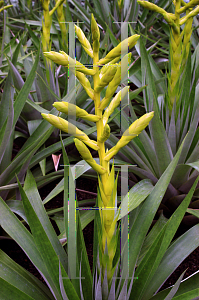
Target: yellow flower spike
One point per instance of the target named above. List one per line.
(120, 4)
(115, 52)
(95, 34)
(74, 110)
(167, 16)
(84, 42)
(134, 130)
(187, 31)
(179, 41)
(188, 5)
(106, 78)
(114, 104)
(104, 238)
(46, 25)
(191, 14)
(86, 155)
(116, 81)
(57, 4)
(105, 135)
(65, 60)
(85, 83)
(66, 127)
(105, 200)
(109, 185)
(108, 217)
(62, 23)
(154, 7)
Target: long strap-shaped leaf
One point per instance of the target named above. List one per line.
(34, 198)
(188, 290)
(152, 259)
(157, 131)
(22, 280)
(175, 254)
(83, 259)
(8, 90)
(11, 224)
(24, 92)
(22, 157)
(9, 292)
(144, 219)
(46, 249)
(6, 130)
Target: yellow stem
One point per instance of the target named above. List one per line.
(99, 123)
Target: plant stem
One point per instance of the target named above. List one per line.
(99, 124)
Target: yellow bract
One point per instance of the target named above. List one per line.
(84, 42)
(86, 155)
(114, 104)
(70, 128)
(136, 128)
(113, 85)
(74, 110)
(127, 43)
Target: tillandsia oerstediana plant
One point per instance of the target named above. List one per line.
(179, 41)
(105, 72)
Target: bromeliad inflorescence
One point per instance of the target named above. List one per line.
(179, 40)
(47, 22)
(105, 72)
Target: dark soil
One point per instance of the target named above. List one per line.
(191, 263)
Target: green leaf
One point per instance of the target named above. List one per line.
(34, 38)
(194, 165)
(174, 288)
(24, 92)
(152, 236)
(87, 217)
(21, 279)
(175, 254)
(30, 188)
(189, 285)
(6, 130)
(11, 224)
(106, 11)
(23, 156)
(76, 171)
(16, 206)
(189, 136)
(63, 293)
(83, 259)
(37, 107)
(194, 295)
(9, 292)
(194, 212)
(46, 249)
(65, 183)
(8, 90)
(157, 131)
(146, 270)
(135, 196)
(148, 209)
